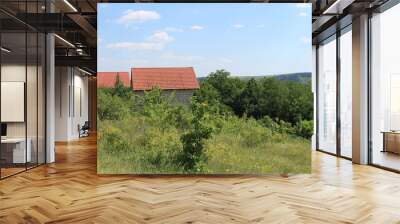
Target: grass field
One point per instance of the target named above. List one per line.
(241, 146)
(153, 134)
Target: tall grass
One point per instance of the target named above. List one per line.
(246, 147)
(241, 146)
(147, 139)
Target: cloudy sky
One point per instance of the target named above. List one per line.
(245, 39)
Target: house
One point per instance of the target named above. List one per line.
(108, 79)
(180, 80)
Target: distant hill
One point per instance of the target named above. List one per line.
(302, 77)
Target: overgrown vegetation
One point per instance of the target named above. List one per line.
(232, 126)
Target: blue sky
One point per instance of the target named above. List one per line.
(245, 39)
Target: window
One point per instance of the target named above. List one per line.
(22, 87)
(346, 93)
(327, 96)
(385, 89)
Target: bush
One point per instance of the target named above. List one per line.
(111, 107)
(192, 157)
(111, 140)
(277, 125)
(159, 149)
(305, 129)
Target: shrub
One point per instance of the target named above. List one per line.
(277, 125)
(120, 90)
(111, 107)
(305, 129)
(192, 157)
(159, 149)
(112, 141)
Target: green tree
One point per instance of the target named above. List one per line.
(285, 101)
(274, 98)
(192, 157)
(120, 90)
(110, 107)
(209, 95)
(250, 99)
(229, 89)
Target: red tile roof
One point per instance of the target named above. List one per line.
(107, 79)
(165, 78)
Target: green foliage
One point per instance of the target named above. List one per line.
(120, 90)
(151, 133)
(110, 107)
(278, 126)
(160, 110)
(305, 128)
(249, 99)
(113, 139)
(245, 146)
(134, 145)
(114, 103)
(193, 158)
(285, 100)
(228, 88)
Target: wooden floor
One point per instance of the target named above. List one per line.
(69, 191)
(387, 159)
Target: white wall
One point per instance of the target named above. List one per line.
(79, 117)
(62, 82)
(12, 73)
(70, 83)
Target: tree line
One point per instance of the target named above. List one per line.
(282, 104)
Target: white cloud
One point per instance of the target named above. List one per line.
(303, 14)
(238, 26)
(138, 16)
(161, 37)
(196, 27)
(303, 5)
(155, 42)
(260, 26)
(306, 40)
(173, 29)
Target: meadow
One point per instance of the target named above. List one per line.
(153, 134)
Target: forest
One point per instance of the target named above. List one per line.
(232, 126)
